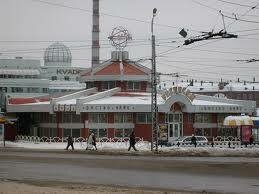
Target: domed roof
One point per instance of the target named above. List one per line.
(57, 52)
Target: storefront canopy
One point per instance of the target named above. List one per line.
(237, 121)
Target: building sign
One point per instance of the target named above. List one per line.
(68, 71)
(64, 108)
(178, 90)
(1, 132)
(107, 108)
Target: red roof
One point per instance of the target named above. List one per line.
(114, 69)
(27, 100)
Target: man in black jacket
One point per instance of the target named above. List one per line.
(70, 142)
(132, 141)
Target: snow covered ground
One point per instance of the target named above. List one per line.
(143, 147)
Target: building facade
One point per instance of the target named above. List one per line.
(27, 78)
(118, 100)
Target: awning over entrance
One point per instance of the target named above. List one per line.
(255, 121)
(238, 121)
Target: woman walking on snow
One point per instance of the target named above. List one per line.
(91, 142)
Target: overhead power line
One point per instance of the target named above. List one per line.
(239, 4)
(110, 15)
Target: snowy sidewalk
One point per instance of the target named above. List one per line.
(143, 147)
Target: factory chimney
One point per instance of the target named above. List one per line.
(95, 35)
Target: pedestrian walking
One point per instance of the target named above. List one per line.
(70, 142)
(132, 141)
(193, 140)
(91, 142)
(251, 139)
(94, 141)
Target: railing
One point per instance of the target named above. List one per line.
(79, 139)
(219, 141)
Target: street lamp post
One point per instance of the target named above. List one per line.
(154, 134)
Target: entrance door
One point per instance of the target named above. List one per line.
(174, 130)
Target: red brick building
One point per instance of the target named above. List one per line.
(117, 100)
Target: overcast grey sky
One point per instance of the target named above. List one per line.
(29, 26)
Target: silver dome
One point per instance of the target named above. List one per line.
(57, 53)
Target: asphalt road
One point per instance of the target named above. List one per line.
(210, 174)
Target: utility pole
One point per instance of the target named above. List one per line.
(154, 137)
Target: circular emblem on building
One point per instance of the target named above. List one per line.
(119, 37)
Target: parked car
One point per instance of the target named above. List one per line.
(187, 140)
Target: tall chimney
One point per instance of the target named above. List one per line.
(95, 35)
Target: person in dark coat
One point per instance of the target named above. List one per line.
(70, 142)
(251, 139)
(132, 141)
(193, 140)
(94, 141)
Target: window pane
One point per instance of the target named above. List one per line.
(102, 118)
(93, 117)
(118, 118)
(136, 85)
(198, 132)
(207, 132)
(52, 132)
(198, 118)
(102, 133)
(128, 118)
(176, 117)
(141, 117)
(67, 118)
(66, 132)
(75, 118)
(149, 118)
(170, 118)
(127, 132)
(118, 132)
(130, 85)
(76, 133)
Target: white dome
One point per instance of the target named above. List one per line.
(58, 54)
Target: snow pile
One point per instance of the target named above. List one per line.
(143, 147)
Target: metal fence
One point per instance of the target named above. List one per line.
(78, 139)
(219, 141)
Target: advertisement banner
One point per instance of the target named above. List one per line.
(163, 133)
(246, 133)
(1, 132)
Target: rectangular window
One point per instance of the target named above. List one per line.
(93, 117)
(203, 118)
(76, 118)
(133, 85)
(67, 118)
(54, 78)
(144, 118)
(3, 89)
(17, 90)
(123, 118)
(99, 133)
(108, 85)
(203, 132)
(75, 133)
(53, 132)
(52, 118)
(66, 132)
(66, 78)
(45, 90)
(98, 117)
(122, 133)
(141, 117)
